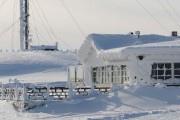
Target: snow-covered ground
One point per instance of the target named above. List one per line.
(36, 66)
(136, 102)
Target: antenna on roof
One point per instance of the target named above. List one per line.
(131, 33)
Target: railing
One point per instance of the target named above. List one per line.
(32, 92)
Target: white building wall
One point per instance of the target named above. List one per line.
(90, 62)
(140, 70)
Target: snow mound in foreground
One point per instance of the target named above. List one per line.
(136, 102)
(133, 101)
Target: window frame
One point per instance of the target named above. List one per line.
(169, 72)
(109, 74)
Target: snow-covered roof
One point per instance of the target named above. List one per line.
(104, 42)
(168, 47)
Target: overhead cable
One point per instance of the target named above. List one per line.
(42, 20)
(74, 20)
(13, 28)
(153, 17)
(173, 9)
(166, 10)
(36, 31)
(9, 28)
(46, 18)
(2, 4)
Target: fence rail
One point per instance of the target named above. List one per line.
(32, 92)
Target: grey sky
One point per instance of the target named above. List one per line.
(93, 16)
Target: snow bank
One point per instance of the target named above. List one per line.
(132, 102)
(36, 66)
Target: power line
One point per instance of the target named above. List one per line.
(153, 17)
(166, 10)
(173, 9)
(74, 20)
(67, 45)
(13, 28)
(46, 18)
(42, 20)
(39, 35)
(36, 31)
(55, 36)
(2, 4)
(10, 27)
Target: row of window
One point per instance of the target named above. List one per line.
(109, 74)
(165, 71)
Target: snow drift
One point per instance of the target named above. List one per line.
(36, 66)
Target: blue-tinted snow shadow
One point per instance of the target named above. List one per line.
(20, 69)
(169, 95)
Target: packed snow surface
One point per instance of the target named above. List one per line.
(129, 102)
(36, 66)
(109, 41)
(135, 102)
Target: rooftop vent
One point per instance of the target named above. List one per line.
(130, 33)
(137, 33)
(174, 33)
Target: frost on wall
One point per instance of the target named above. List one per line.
(139, 53)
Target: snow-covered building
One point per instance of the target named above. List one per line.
(125, 59)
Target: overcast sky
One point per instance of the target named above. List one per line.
(93, 16)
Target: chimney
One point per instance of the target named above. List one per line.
(137, 33)
(174, 33)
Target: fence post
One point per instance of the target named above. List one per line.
(2, 91)
(16, 92)
(47, 92)
(24, 93)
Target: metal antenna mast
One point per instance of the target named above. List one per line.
(24, 25)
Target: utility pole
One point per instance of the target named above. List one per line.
(24, 25)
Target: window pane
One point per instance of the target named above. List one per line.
(160, 66)
(154, 72)
(168, 65)
(176, 65)
(176, 72)
(160, 72)
(123, 67)
(154, 66)
(168, 72)
(102, 68)
(177, 77)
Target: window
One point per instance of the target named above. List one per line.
(165, 71)
(94, 72)
(161, 71)
(109, 74)
(177, 70)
